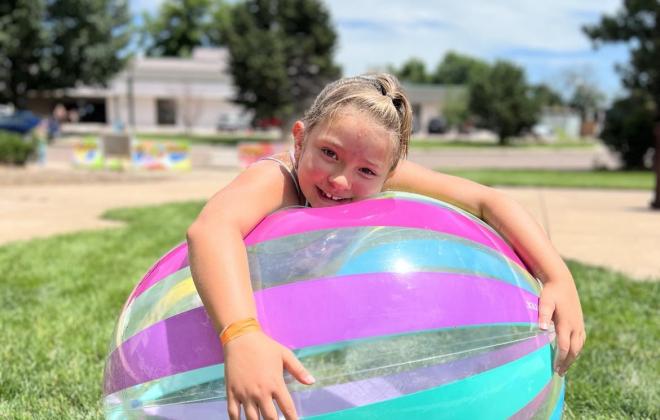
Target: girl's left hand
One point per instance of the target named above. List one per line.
(559, 303)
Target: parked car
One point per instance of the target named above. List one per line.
(233, 122)
(19, 122)
(437, 125)
(268, 123)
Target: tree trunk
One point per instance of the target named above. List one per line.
(655, 204)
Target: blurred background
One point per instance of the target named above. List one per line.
(220, 72)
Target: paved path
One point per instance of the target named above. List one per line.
(609, 228)
(48, 207)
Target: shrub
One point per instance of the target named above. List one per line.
(16, 149)
(628, 129)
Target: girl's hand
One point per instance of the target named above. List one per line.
(559, 303)
(254, 365)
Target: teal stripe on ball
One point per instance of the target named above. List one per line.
(495, 394)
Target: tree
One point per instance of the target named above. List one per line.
(459, 69)
(413, 71)
(179, 26)
(544, 96)
(456, 106)
(587, 99)
(629, 129)
(502, 101)
(21, 39)
(281, 55)
(59, 44)
(636, 24)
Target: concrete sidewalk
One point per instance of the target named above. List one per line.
(609, 228)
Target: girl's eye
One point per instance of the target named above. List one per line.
(367, 172)
(329, 153)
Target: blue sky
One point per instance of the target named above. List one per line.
(543, 36)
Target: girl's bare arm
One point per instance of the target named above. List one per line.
(218, 258)
(559, 299)
(219, 265)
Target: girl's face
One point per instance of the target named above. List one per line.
(342, 160)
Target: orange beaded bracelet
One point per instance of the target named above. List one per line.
(239, 328)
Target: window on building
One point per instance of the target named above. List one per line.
(166, 110)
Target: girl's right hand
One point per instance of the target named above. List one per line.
(254, 367)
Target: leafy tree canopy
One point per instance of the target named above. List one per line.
(179, 27)
(459, 69)
(502, 101)
(281, 54)
(629, 129)
(544, 95)
(47, 45)
(636, 23)
(413, 71)
(587, 98)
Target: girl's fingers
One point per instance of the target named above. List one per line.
(563, 347)
(233, 407)
(251, 411)
(293, 366)
(267, 409)
(576, 346)
(546, 309)
(285, 402)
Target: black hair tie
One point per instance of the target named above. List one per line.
(397, 102)
(380, 87)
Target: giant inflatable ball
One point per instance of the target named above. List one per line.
(401, 307)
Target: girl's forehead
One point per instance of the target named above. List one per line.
(350, 120)
(358, 133)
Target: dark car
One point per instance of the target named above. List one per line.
(437, 125)
(20, 122)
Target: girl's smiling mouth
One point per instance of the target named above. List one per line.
(331, 197)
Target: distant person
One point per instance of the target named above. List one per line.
(350, 145)
(73, 116)
(57, 117)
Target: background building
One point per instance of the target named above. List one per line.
(156, 94)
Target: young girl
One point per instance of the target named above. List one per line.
(349, 145)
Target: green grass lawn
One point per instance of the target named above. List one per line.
(561, 179)
(225, 139)
(458, 143)
(61, 297)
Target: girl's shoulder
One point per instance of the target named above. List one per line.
(283, 158)
(286, 167)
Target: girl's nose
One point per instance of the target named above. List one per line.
(340, 181)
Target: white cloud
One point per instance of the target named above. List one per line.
(392, 31)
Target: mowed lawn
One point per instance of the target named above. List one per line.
(639, 180)
(61, 297)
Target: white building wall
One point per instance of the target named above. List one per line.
(145, 112)
(200, 86)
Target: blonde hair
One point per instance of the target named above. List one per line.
(378, 95)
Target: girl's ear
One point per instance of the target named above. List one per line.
(298, 132)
